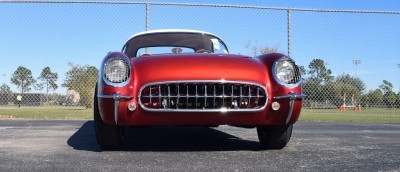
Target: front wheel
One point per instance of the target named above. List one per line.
(108, 136)
(274, 137)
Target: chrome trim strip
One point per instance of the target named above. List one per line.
(222, 110)
(116, 96)
(169, 31)
(292, 97)
(116, 114)
(161, 31)
(279, 81)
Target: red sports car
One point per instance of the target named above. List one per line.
(187, 77)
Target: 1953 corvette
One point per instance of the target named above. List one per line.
(188, 77)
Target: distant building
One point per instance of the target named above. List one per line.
(72, 98)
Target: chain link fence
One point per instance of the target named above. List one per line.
(51, 50)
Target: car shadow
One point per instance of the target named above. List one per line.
(166, 139)
(84, 138)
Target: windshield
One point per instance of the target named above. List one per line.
(174, 43)
(163, 50)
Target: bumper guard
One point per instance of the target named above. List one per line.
(292, 97)
(116, 96)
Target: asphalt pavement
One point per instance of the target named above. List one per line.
(32, 145)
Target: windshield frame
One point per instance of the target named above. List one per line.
(197, 40)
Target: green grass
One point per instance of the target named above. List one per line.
(381, 111)
(47, 113)
(373, 115)
(310, 115)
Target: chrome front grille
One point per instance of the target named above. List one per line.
(203, 96)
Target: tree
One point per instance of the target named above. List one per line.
(22, 77)
(255, 51)
(335, 92)
(386, 86)
(303, 71)
(48, 79)
(373, 97)
(398, 100)
(83, 80)
(5, 89)
(318, 70)
(314, 85)
(5, 94)
(313, 89)
(266, 50)
(389, 97)
(355, 81)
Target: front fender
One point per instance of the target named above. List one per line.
(287, 96)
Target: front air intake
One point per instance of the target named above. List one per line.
(203, 96)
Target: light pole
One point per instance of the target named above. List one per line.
(147, 15)
(147, 21)
(288, 30)
(357, 62)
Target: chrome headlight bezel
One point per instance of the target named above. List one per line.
(116, 71)
(286, 72)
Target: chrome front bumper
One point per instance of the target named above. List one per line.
(292, 97)
(117, 97)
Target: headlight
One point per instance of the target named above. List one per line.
(286, 71)
(116, 70)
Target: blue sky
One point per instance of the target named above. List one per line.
(39, 35)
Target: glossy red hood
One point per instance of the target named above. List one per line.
(198, 67)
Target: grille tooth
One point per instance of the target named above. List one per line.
(203, 96)
(214, 96)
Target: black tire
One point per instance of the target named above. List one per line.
(274, 137)
(109, 137)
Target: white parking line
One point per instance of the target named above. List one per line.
(4, 128)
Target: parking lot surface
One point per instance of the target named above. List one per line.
(27, 145)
